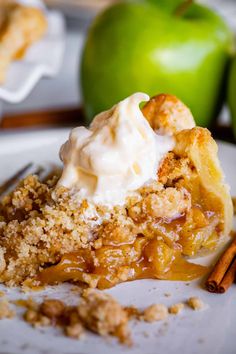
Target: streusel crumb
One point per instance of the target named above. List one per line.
(5, 310)
(133, 312)
(176, 309)
(156, 312)
(52, 308)
(102, 314)
(98, 312)
(75, 331)
(195, 303)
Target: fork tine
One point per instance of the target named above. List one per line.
(39, 171)
(13, 179)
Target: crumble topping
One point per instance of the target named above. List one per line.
(174, 168)
(155, 312)
(75, 331)
(5, 310)
(52, 308)
(176, 309)
(195, 303)
(102, 314)
(96, 311)
(167, 114)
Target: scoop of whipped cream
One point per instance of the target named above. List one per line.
(115, 156)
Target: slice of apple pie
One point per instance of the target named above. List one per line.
(140, 192)
(20, 27)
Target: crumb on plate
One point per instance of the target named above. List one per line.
(167, 294)
(96, 311)
(5, 310)
(195, 303)
(176, 308)
(155, 312)
(102, 314)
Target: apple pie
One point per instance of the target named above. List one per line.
(55, 230)
(20, 27)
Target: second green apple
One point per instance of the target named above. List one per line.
(139, 46)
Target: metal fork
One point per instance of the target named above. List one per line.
(15, 178)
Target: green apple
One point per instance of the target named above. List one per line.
(146, 46)
(232, 93)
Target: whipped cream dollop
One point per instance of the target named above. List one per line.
(115, 156)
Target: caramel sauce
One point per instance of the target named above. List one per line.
(68, 270)
(110, 265)
(21, 53)
(159, 254)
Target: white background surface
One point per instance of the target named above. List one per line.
(211, 330)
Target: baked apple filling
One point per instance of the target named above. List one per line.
(55, 231)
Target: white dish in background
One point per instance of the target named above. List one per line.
(43, 58)
(192, 332)
(80, 9)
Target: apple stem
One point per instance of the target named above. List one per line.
(182, 8)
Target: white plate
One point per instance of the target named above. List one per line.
(44, 58)
(192, 332)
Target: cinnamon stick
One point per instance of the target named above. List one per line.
(224, 271)
(228, 278)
